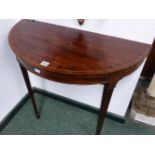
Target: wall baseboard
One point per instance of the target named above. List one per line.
(66, 100)
(13, 112)
(78, 104)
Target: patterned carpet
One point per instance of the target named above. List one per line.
(58, 118)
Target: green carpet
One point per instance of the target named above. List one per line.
(58, 118)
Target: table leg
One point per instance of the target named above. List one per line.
(107, 93)
(28, 84)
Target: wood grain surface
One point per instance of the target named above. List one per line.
(74, 56)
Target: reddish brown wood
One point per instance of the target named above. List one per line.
(74, 53)
(76, 56)
(28, 85)
(107, 93)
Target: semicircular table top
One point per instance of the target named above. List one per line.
(74, 52)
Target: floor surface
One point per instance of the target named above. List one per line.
(58, 118)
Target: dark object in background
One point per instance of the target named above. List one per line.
(143, 103)
(149, 68)
(81, 21)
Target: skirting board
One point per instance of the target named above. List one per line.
(13, 112)
(83, 106)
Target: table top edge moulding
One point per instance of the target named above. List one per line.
(74, 56)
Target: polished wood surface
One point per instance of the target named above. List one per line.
(107, 93)
(75, 56)
(29, 88)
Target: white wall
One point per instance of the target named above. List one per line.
(91, 94)
(12, 87)
(138, 30)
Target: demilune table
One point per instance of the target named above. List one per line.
(74, 56)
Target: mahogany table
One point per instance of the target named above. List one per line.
(74, 56)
